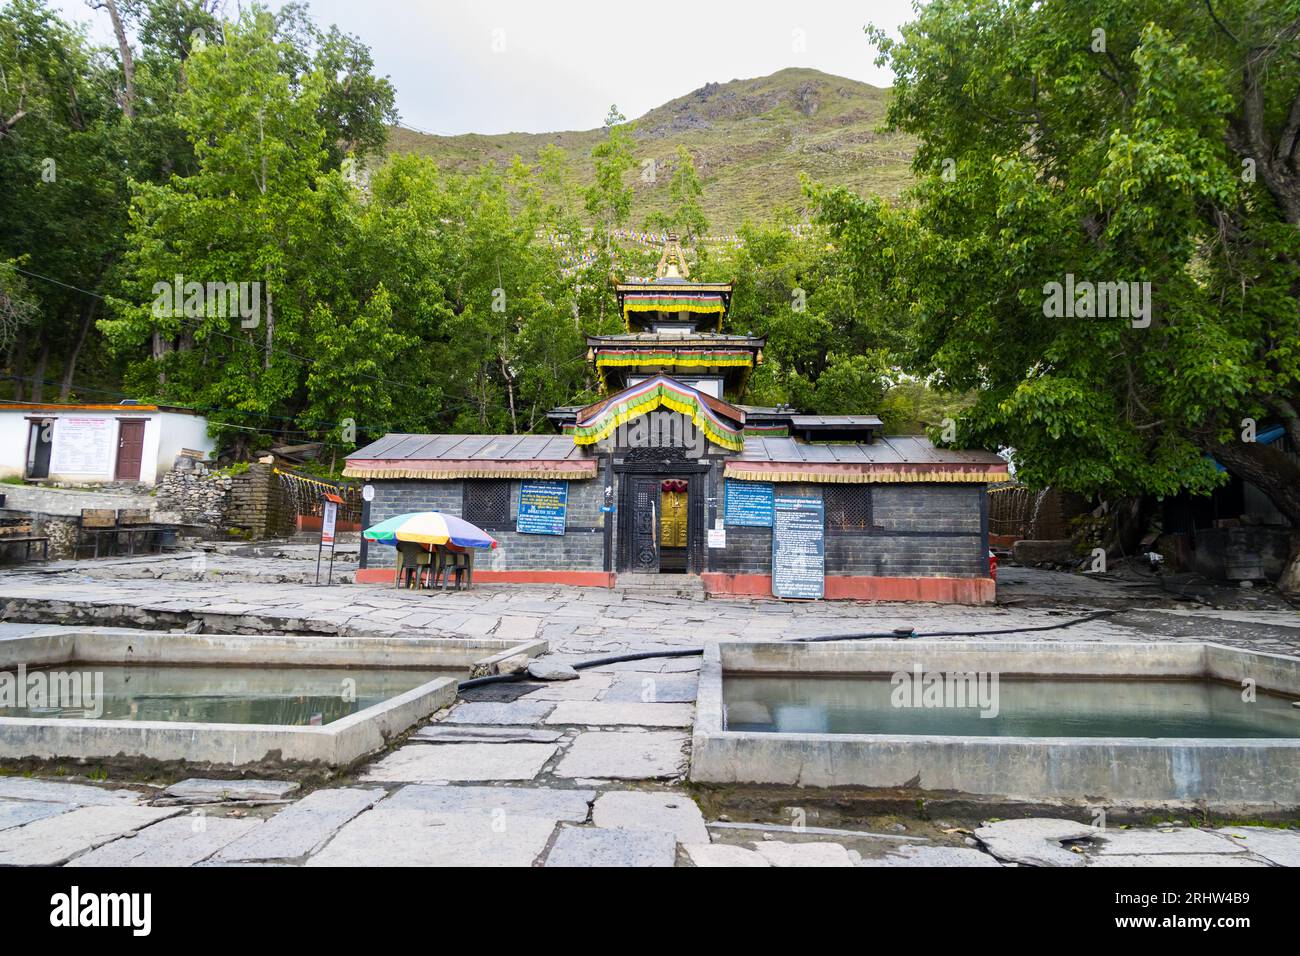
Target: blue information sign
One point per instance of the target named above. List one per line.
(542, 507)
(798, 547)
(748, 504)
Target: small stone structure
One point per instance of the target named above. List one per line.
(199, 496)
(248, 501)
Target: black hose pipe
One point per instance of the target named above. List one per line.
(904, 632)
(901, 633)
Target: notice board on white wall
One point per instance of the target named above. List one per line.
(83, 446)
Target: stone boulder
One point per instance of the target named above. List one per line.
(1030, 553)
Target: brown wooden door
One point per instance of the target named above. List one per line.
(130, 450)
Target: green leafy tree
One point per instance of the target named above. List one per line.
(18, 306)
(817, 313)
(80, 123)
(252, 215)
(65, 157)
(1101, 141)
(609, 197)
(685, 215)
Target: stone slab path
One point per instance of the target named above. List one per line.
(581, 622)
(577, 772)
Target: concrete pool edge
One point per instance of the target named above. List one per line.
(1229, 775)
(337, 744)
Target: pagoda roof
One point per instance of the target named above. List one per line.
(676, 285)
(672, 290)
(722, 422)
(725, 409)
(677, 339)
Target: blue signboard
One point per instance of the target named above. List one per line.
(542, 507)
(748, 504)
(798, 547)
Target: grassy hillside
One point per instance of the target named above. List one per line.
(750, 140)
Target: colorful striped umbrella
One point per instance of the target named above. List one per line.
(429, 527)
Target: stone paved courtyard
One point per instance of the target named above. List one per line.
(589, 771)
(223, 592)
(561, 774)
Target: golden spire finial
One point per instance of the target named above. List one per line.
(672, 264)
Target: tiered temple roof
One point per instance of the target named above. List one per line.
(674, 327)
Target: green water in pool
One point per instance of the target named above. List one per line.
(1016, 707)
(294, 696)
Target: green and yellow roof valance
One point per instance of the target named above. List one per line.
(695, 358)
(665, 301)
(599, 421)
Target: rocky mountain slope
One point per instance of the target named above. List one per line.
(750, 139)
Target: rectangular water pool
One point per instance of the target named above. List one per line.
(875, 704)
(228, 700)
(287, 696)
(1085, 724)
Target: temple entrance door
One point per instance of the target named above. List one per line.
(645, 525)
(674, 523)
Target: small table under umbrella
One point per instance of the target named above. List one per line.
(429, 530)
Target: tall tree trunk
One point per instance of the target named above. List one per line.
(124, 50)
(1278, 477)
(38, 373)
(70, 363)
(19, 367)
(160, 348)
(510, 390)
(270, 331)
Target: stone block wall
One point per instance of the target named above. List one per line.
(580, 548)
(251, 501)
(916, 531)
(197, 495)
(254, 506)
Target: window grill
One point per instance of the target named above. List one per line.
(486, 503)
(848, 508)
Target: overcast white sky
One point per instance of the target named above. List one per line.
(492, 66)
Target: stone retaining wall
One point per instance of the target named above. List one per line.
(198, 496)
(250, 501)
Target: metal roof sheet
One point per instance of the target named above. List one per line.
(836, 421)
(402, 447)
(903, 449)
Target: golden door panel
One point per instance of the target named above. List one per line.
(672, 511)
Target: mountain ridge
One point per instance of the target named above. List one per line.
(750, 140)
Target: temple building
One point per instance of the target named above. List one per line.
(671, 473)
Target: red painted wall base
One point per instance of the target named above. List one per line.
(861, 588)
(937, 590)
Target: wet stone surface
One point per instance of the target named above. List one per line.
(586, 771)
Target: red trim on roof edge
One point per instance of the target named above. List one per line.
(584, 467)
(735, 466)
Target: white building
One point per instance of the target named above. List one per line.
(88, 444)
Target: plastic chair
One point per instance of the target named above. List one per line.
(422, 566)
(458, 562)
(406, 564)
